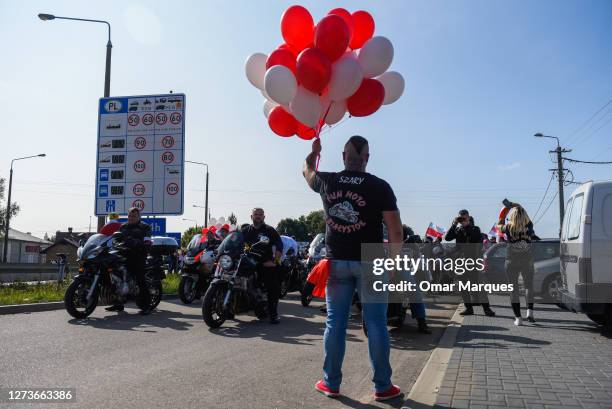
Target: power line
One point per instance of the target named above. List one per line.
(588, 162)
(584, 138)
(577, 130)
(547, 207)
(552, 176)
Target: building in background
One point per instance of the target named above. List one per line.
(67, 243)
(24, 248)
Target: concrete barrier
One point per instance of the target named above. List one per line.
(28, 272)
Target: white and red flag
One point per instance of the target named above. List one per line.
(435, 231)
(496, 232)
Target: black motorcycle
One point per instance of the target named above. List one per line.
(103, 274)
(234, 288)
(197, 271)
(294, 273)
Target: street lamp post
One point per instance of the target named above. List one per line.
(107, 70)
(8, 206)
(206, 197)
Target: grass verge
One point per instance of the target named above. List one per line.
(23, 293)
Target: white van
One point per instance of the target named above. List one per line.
(586, 252)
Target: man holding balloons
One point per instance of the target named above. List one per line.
(356, 203)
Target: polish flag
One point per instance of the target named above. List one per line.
(435, 231)
(495, 232)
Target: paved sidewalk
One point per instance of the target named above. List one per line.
(561, 361)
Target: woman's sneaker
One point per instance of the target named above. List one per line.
(530, 316)
(324, 389)
(393, 392)
(518, 321)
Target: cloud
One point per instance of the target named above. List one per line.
(505, 168)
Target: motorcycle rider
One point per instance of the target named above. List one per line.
(135, 236)
(224, 231)
(269, 270)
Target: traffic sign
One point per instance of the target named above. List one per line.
(158, 224)
(140, 159)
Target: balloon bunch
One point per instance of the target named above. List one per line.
(323, 71)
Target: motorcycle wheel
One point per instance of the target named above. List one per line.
(187, 289)
(156, 290)
(306, 294)
(284, 287)
(212, 306)
(75, 298)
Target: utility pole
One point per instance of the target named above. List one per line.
(561, 178)
(560, 175)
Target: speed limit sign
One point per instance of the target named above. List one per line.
(139, 166)
(172, 189)
(167, 157)
(139, 204)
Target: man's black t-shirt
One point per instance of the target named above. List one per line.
(354, 203)
(253, 235)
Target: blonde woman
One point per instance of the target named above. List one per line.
(519, 259)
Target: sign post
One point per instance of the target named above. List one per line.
(140, 155)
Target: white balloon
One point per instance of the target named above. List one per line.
(212, 221)
(375, 56)
(394, 86)
(306, 107)
(255, 68)
(336, 112)
(221, 220)
(345, 78)
(280, 84)
(267, 107)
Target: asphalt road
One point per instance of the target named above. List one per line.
(170, 359)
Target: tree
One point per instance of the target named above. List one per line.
(14, 208)
(303, 228)
(232, 219)
(188, 235)
(315, 221)
(293, 227)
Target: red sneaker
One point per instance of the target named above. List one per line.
(324, 389)
(393, 392)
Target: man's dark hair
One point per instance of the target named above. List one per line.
(463, 212)
(358, 142)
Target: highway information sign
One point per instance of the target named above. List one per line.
(140, 159)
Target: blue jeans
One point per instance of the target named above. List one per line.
(344, 278)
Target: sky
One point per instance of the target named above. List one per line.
(482, 76)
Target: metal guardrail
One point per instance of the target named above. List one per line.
(12, 272)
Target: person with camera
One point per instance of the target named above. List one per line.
(136, 236)
(269, 270)
(469, 239)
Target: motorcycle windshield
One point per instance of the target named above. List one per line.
(195, 245)
(92, 243)
(232, 245)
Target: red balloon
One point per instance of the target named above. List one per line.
(285, 46)
(332, 36)
(297, 27)
(313, 69)
(305, 132)
(346, 16)
(363, 28)
(368, 98)
(282, 122)
(281, 57)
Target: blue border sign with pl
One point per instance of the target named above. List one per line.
(140, 159)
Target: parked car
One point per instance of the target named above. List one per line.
(547, 276)
(586, 252)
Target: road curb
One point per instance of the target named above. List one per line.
(425, 390)
(49, 306)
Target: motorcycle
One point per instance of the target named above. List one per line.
(234, 288)
(103, 274)
(295, 273)
(197, 270)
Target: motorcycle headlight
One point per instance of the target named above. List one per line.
(225, 262)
